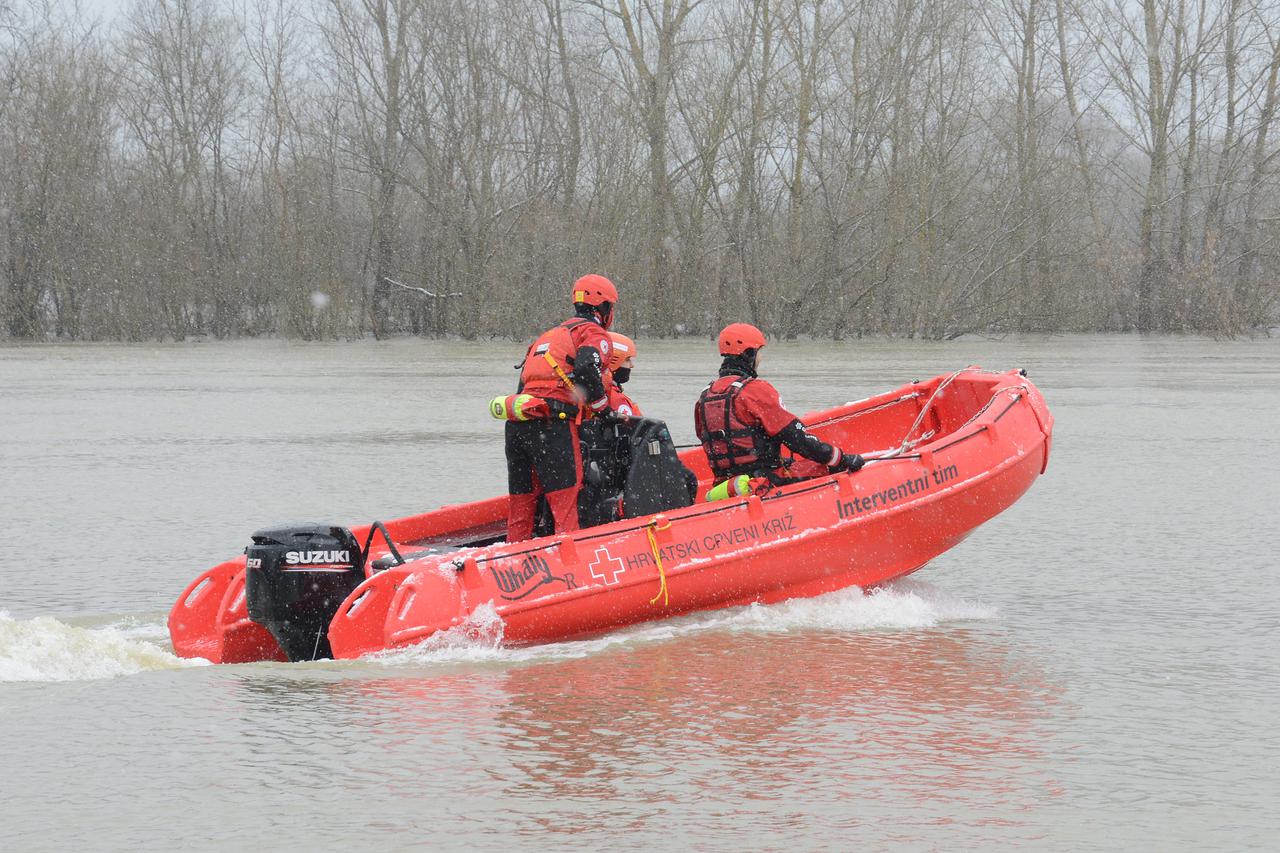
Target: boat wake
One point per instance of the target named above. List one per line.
(901, 606)
(46, 649)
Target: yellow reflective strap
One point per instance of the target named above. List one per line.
(738, 487)
(568, 383)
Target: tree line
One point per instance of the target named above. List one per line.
(341, 168)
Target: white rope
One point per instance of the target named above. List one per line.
(860, 412)
(908, 443)
(924, 410)
(1006, 389)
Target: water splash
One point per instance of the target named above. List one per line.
(901, 606)
(45, 649)
(905, 605)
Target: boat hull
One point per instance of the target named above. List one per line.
(988, 439)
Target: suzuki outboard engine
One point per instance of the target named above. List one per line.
(295, 578)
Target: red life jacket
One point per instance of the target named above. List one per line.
(549, 363)
(732, 445)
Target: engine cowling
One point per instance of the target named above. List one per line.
(295, 578)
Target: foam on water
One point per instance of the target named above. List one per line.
(45, 649)
(905, 605)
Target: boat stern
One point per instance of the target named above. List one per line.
(210, 620)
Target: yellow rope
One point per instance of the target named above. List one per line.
(657, 555)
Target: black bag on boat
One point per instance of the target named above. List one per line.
(657, 480)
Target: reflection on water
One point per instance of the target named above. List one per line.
(1096, 668)
(802, 716)
(821, 725)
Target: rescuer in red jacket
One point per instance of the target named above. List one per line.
(562, 381)
(621, 359)
(742, 425)
(606, 444)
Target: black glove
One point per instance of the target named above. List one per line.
(848, 462)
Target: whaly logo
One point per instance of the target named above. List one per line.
(534, 571)
(314, 558)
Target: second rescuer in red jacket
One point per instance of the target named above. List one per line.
(742, 425)
(621, 360)
(564, 371)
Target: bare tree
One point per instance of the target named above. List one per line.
(1248, 295)
(650, 52)
(182, 98)
(370, 46)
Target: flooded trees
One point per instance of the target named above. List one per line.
(323, 168)
(375, 68)
(55, 151)
(182, 96)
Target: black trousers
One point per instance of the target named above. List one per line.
(544, 457)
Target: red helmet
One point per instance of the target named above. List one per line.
(737, 338)
(594, 290)
(622, 349)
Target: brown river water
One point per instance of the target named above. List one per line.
(1097, 668)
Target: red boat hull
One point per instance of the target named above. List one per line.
(987, 439)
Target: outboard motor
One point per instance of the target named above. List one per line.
(295, 578)
(656, 480)
(606, 456)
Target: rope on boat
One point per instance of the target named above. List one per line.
(659, 522)
(907, 442)
(1006, 389)
(838, 418)
(924, 410)
(860, 412)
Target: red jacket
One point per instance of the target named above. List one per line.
(620, 402)
(568, 356)
(742, 425)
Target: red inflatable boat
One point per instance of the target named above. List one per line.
(945, 455)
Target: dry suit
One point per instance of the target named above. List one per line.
(564, 367)
(742, 424)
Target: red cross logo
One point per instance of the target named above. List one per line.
(606, 567)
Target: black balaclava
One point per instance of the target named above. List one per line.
(602, 313)
(739, 365)
(621, 375)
